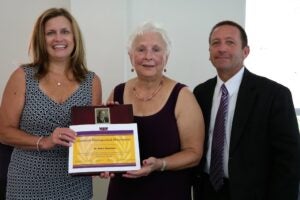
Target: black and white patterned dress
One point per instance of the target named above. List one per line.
(44, 175)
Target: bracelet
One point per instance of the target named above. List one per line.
(38, 143)
(164, 165)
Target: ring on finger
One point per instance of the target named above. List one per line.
(59, 135)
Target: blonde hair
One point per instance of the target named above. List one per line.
(37, 47)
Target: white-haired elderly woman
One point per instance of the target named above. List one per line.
(170, 123)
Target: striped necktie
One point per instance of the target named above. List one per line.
(216, 173)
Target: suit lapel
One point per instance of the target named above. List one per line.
(204, 96)
(209, 93)
(244, 105)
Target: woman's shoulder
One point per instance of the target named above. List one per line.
(123, 85)
(16, 82)
(174, 85)
(29, 69)
(93, 75)
(179, 90)
(18, 72)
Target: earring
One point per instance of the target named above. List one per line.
(165, 70)
(132, 70)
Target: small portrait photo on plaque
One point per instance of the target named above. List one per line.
(102, 115)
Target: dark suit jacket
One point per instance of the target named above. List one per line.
(264, 145)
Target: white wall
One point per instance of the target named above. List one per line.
(106, 25)
(17, 18)
(103, 24)
(188, 24)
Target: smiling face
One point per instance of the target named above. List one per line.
(148, 55)
(59, 38)
(226, 51)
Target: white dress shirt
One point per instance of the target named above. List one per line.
(232, 86)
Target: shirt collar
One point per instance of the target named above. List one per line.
(233, 83)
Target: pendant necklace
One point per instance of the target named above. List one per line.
(139, 97)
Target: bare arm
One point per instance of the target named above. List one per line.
(10, 112)
(191, 130)
(111, 96)
(97, 91)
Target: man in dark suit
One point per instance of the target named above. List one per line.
(260, 156)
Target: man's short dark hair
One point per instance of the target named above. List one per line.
(243, 34)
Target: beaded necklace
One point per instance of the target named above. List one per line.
(139, 97)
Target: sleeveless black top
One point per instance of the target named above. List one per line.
(159, 137)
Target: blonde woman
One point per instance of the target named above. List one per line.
(35, 111)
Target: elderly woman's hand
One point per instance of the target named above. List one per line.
(107, 175)
(112, 103)
(149, 165)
